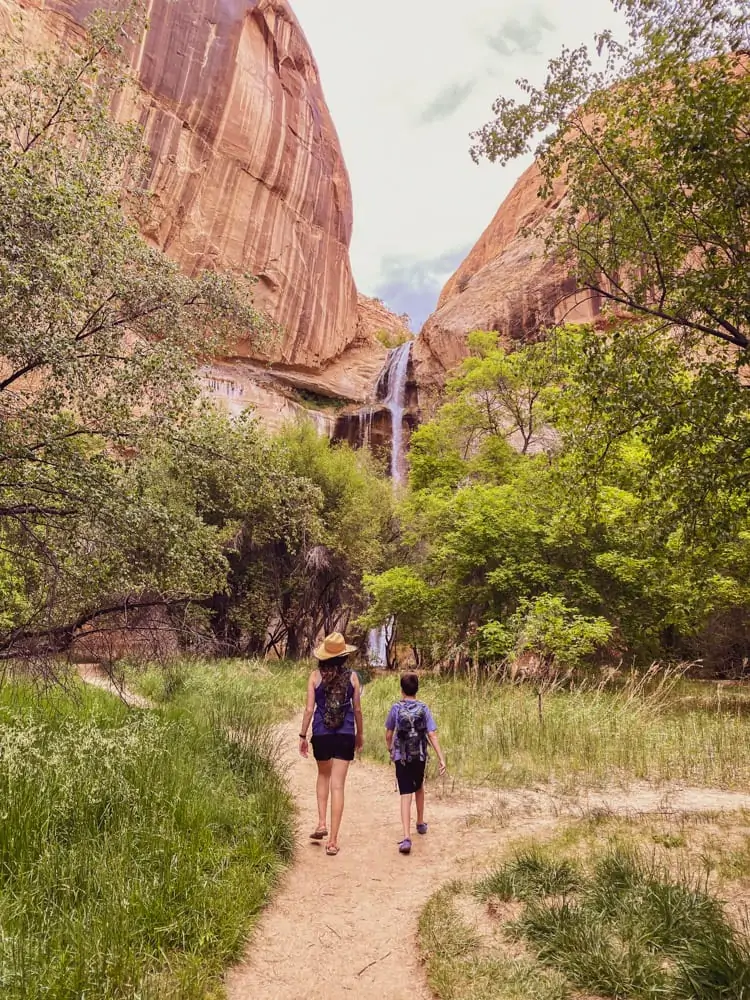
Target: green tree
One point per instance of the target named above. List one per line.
(238, 483)
(651, 140)
(320, 586)
(504, 391)
(654, 446)
(404, 598)
(496, 408)
(100, 338)
(637, 514)
(648, 138)
(549, 629)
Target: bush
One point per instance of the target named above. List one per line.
(392, 338)
(547, 628)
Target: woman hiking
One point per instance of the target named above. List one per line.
(333, 704)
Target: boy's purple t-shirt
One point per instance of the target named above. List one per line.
(390, 723)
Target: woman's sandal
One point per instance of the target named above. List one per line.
(320, 834)
(422, 828)
(404, 847)
(332, 850)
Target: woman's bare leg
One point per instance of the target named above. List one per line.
(322, 789)
(339, 772)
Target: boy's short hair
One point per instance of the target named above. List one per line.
(409, 684)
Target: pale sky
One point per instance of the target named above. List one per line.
(406, 82)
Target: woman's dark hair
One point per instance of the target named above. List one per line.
(409, 684)
(334, 663)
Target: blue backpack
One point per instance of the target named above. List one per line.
(411, 731)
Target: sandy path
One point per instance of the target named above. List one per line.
(347, 925)
(97, 676)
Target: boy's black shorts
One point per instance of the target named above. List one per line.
(410, 777)
(333, 746)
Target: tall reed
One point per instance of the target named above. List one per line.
(655, 729)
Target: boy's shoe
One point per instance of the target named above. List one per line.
(404, 847)
(422, 828)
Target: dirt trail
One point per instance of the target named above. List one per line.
(347, 925)
(97, 676)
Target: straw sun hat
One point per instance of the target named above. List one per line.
(333, 645)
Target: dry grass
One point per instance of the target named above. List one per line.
(650, 730)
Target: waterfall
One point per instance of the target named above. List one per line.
(322, 422)
(377, 647)
(391, 389)
(366, 422)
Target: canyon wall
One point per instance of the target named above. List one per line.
(281, 392)
(247, 173)
(376, 319)
(505, 284)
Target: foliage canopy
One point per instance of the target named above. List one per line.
(649, 137)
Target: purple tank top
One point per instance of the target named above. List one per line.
(319, 728)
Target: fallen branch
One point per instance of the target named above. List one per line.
(374, 962)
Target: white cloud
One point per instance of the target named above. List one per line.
(406, 82)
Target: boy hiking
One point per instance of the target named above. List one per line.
(408, 729)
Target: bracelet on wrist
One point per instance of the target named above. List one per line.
(303, 736)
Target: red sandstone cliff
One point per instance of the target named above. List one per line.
(247, 171)
(376, 318)
(505, 284)
(353, 376)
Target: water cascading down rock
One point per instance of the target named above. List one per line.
(391, 390)
(382, 424)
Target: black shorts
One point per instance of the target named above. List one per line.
(333, 746)
(410, 777)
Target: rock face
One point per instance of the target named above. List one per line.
(376, 319)
(238, 386)
(284, 392)
(505, 284)
(247, 171)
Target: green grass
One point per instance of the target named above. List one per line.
(459, 967)
(532, 874)
(275, 689)
(595, 912)
(136, 847)
(634, 931)
(689, 732)
(695, 733)
(492, 735)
